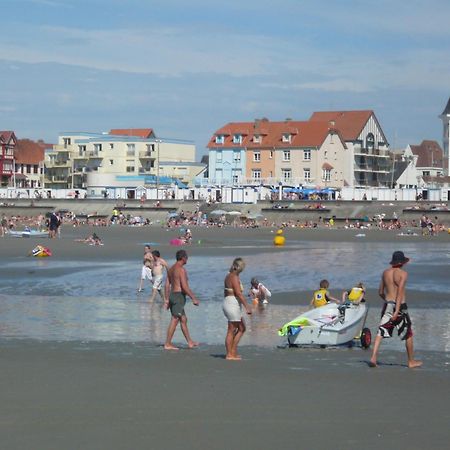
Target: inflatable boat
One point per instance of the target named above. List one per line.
(27, 233)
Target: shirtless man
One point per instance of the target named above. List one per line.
(176, 289)
(159, 265)
(395, 312)
(146, 271)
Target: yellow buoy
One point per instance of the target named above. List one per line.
(279, 238)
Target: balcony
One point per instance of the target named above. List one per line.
(371, 152)
(58, 163)
(146, 155)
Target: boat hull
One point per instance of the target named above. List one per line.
(329, 325)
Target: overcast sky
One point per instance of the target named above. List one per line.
(187, 67)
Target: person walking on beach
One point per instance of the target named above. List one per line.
(232, 308)
(159, 265)
(176, 289)
(395, 312)
(4, 225)
(146, 271)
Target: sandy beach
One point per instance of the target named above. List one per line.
(95, 394)
(121, 396)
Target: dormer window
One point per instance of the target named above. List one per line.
(237, 139)
(286, 137)
(257, 139)
(220, 139)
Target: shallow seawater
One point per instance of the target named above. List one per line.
(98, 301)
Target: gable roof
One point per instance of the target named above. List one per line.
(349, 123)
(135, 132)
(30, 152)
(7, 136)
(302, 134)
(429, 154)
(446, 111)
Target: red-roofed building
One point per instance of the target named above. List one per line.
(29, 163)
(369, 159)
(290, 152)
(7, 145)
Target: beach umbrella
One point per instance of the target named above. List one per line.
(234, 213)
(218, 212)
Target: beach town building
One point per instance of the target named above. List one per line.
(368, 161)
(331, 149)
(29, 164)
(8, 142)
(120, 158)
(268, 153)
(445, 117)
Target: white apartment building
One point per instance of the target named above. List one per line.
(120, 158)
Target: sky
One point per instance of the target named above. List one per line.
(185, 68)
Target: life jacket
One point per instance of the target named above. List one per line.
(320, 297)
(355, 293)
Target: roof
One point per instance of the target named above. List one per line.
(6, 136)
(446, 111)
(136, 132)
(349, 123)
(302, 134)
(429, 154)
(30, 152)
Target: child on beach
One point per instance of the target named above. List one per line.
(258, 292)
(321, 297)
(355, 294)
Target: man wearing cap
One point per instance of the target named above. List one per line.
(395, 312)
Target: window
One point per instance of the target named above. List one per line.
(325, 154)
(81, 150)
(67, 142)
(130, 166)
(307, 154)
(220, 139)
(326, 174)
(111, 162)
(219, 156)
(286, 137)
(256, 156)
(111, 146)
(236, 156)
(271, 154)
(256, 174)
(286, 174)
(257, 139)
(426, 173)
(236, 176)
(131, 148)
(98, 147)
(237, 139)
(307, 174)
(150, 148)
(370, 141)
(286, 155)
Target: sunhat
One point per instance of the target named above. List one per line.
(398, 258)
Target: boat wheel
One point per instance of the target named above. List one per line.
(366, 338)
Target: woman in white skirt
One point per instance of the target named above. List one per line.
(232, 308)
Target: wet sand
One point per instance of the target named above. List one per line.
(104, 395)
(131, 396)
